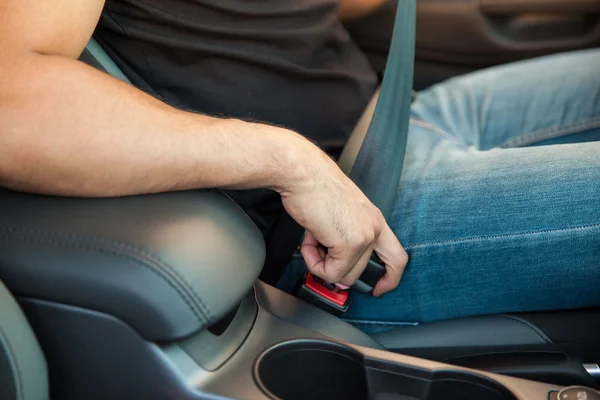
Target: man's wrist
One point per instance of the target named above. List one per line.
(267, 156)
(297, 162)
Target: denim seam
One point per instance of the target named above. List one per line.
(529, 326)
(12, 363)
(505, 235)
(434, 129)
(136, 255)
(551, 133)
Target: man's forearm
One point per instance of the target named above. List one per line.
(70, 130)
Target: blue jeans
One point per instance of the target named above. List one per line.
(499, 201)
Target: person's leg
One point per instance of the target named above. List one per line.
(491, 227)
(546, 100)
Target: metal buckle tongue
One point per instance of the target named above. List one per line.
(323, 295)
(374, 271)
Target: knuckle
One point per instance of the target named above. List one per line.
(357, 243)
(363, 239)
(333, 275)
(378, 215)
(377, 222)
(337, 276)
(370, 236)
(403, 258)
(311, 268)
(348, 282)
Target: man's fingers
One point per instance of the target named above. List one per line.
(388, 282)
(343, 287)
(393, 255)
(312, 256)
(355, 273)
(345, 268)
(322, 252)
(327, 265)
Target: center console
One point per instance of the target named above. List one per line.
(273, 346)
(289, 354)
(156, 297)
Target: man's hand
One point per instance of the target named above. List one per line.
(338, 216)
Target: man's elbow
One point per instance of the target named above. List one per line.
(10, 154)
(13, 134)
(19, 166)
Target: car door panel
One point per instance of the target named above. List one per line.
(458, 36)
(466, 35)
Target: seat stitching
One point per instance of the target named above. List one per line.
(12, 360)
(199, 303)
(148, 265)
(551, 133)
(537, 331)
(504, 235)
(527, 324)
(152, 268)
(382, 323)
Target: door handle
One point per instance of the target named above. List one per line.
(543, 27)
(535, 6)
(542, 21)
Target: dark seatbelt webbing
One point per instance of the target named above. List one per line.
(378, 166)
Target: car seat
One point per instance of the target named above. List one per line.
(23, 374)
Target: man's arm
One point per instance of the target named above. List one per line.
(68, 129)
(356, 9)
(92, 135)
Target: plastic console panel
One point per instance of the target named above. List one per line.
(94, 355)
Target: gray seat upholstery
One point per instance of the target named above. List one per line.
(115, 255)
(23, 374)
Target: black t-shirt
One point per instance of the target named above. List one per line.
(285, 62)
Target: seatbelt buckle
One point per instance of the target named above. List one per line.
(374, 271)
(323, 295)
(331, 298)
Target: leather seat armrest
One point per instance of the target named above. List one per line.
(167, 264)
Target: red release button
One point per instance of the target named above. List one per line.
(337, 296)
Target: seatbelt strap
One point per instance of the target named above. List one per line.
(378, 166)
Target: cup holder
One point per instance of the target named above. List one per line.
(307, 369)
(315, 369)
